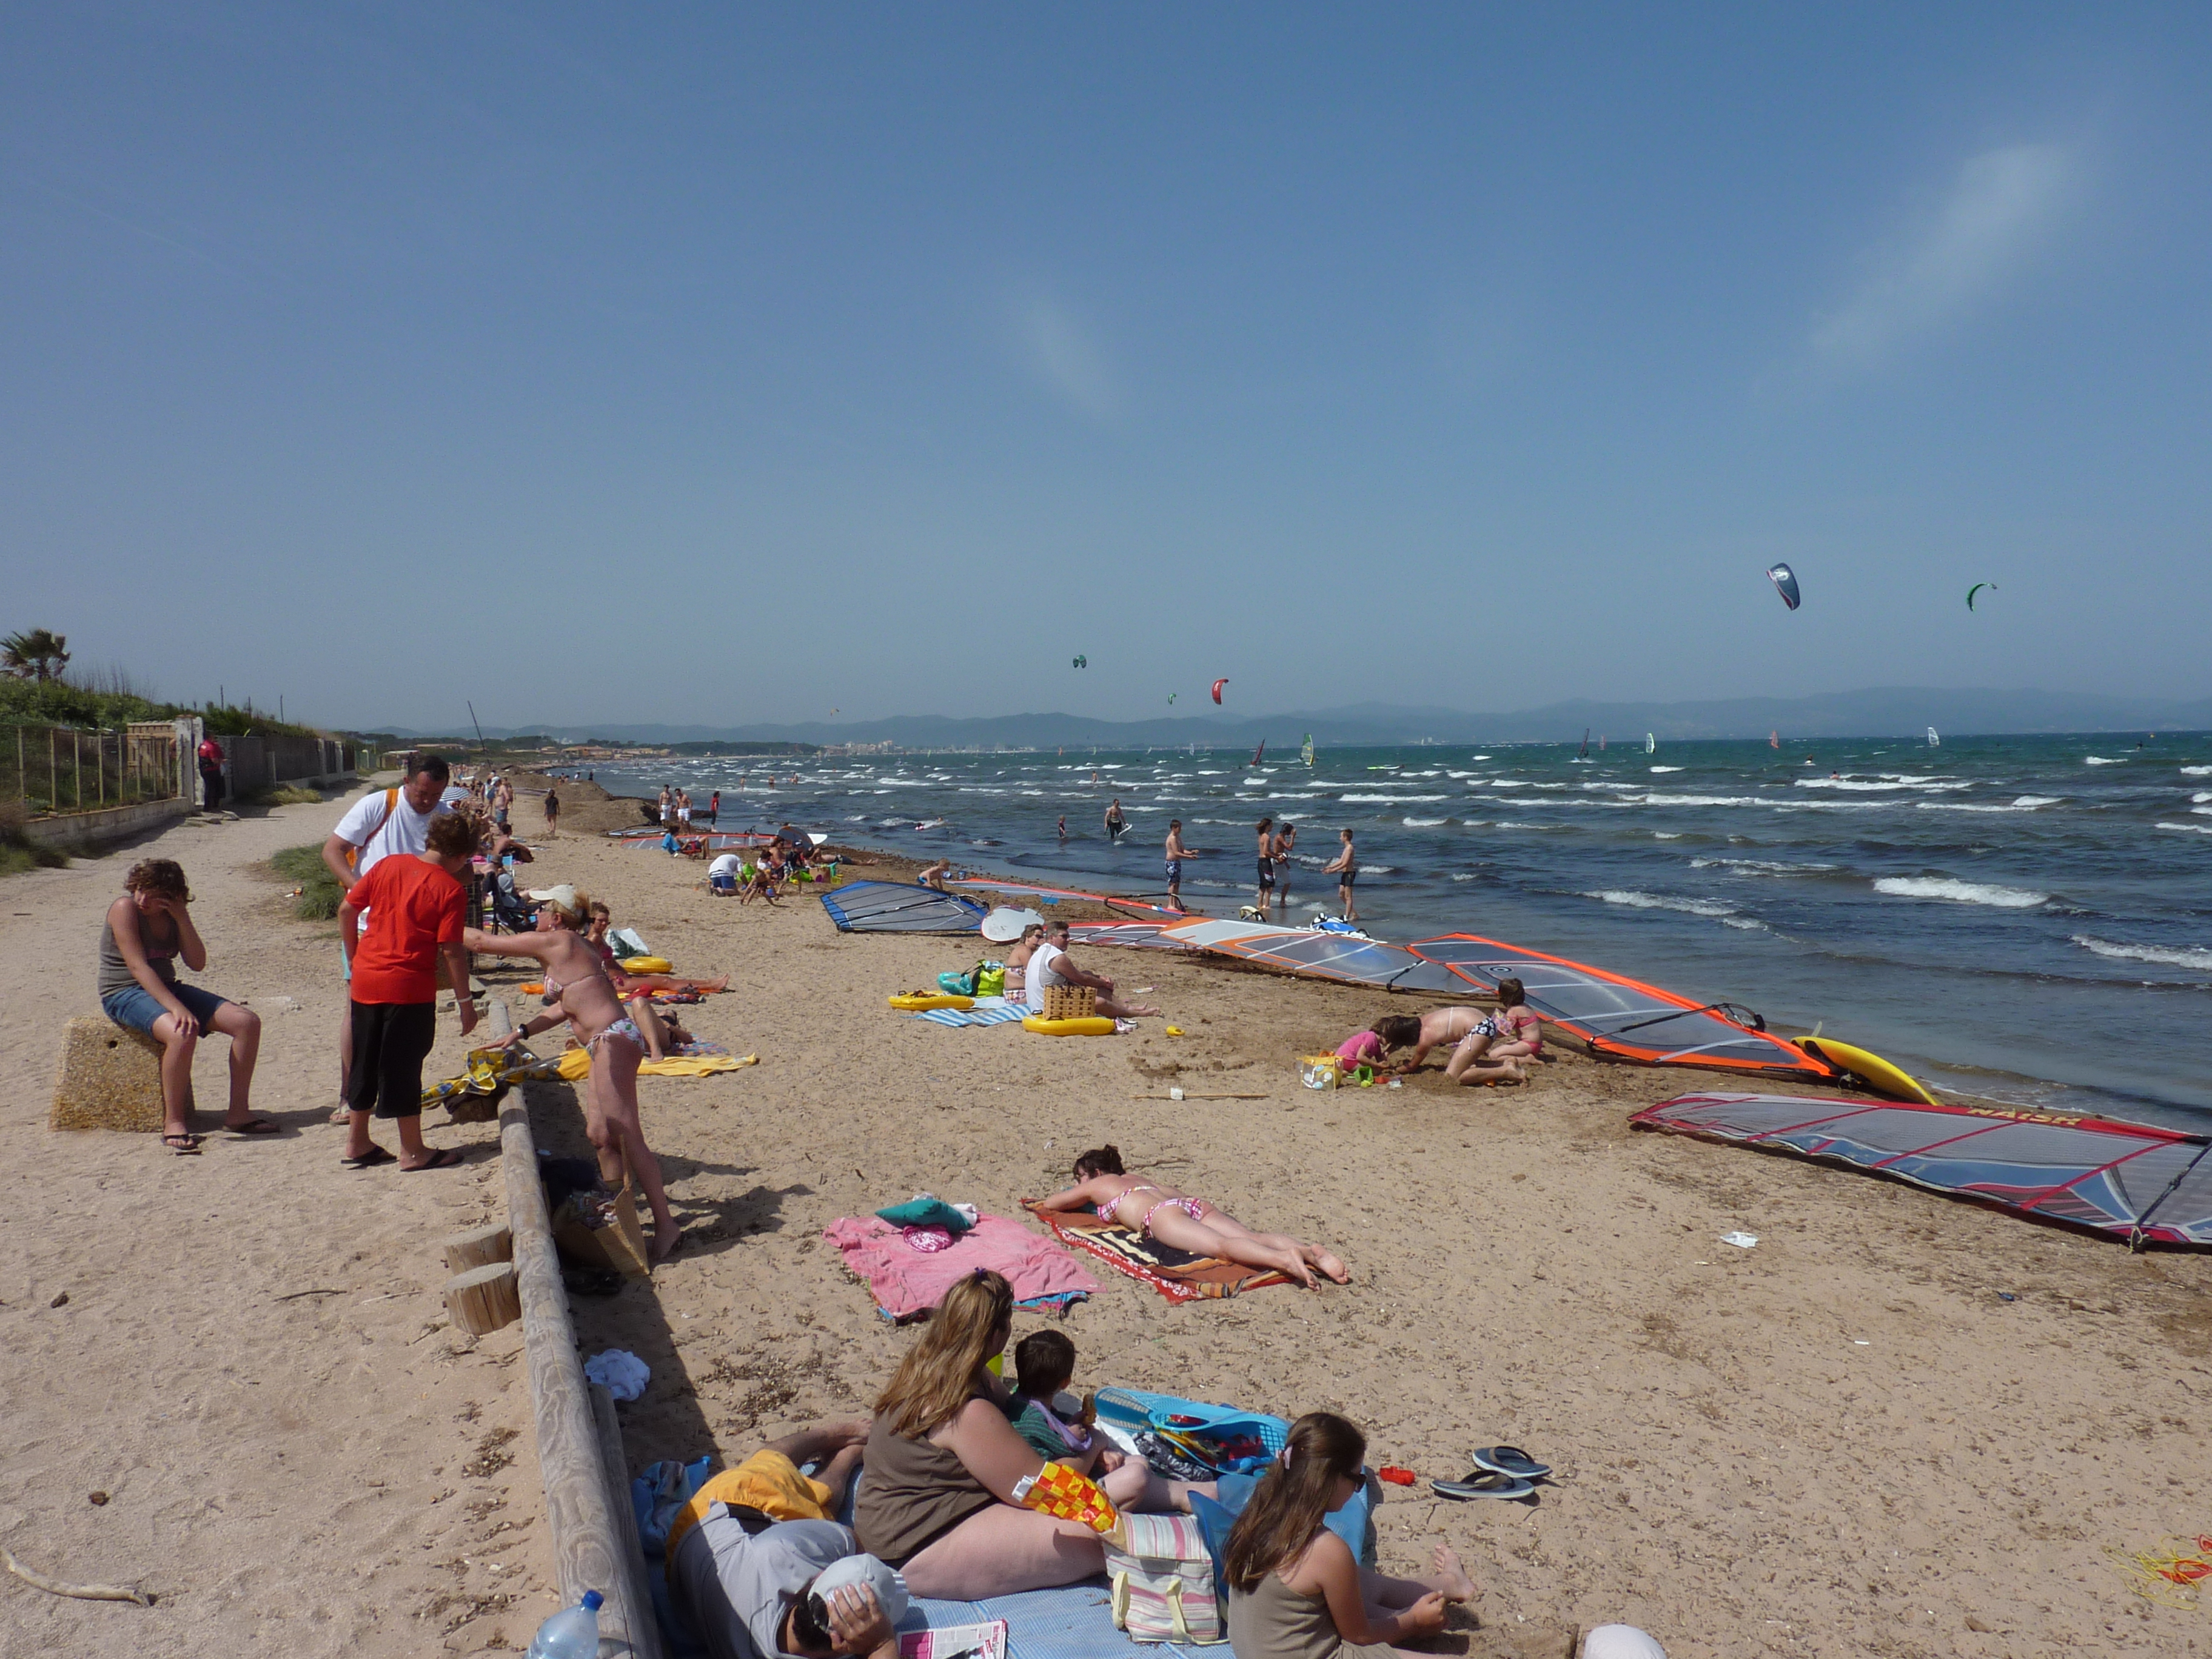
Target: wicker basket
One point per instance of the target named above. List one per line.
(1069, 1002)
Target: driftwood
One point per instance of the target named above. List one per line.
(484, 1299)
(84, 1592)
(593, 1549)
(479, 1249)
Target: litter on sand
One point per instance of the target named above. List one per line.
(2170, 1574)
(620, 1372)
(1741, 1241)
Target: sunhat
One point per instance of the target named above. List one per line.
(1004, 924)
(562, 899)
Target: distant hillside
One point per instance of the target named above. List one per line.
(1892, 711)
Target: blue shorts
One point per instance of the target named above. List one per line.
(1175, 871)
(723, 884)
(134, 1005)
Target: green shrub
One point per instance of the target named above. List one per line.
(18, 852)
(319, 892)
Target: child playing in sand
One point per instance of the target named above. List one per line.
(1175, 1218)
(1498, 1050)
(1295, 1587)
(1045, 1362)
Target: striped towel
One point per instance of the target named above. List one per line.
(987, 1011)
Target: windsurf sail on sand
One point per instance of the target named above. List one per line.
(2126, 1181)
(890, 906)
(1054, 895)
(1620, 1018)
(1139, 935)
(1316, 954)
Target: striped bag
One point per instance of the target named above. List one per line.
(1162, 1579)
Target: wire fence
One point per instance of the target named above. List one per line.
(65, 768)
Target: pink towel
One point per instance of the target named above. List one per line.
(906, 1281)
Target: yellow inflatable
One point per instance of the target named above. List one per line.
(1096, 1025)
(646, 965)
(917, 1001)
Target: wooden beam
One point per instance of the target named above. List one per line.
(594, 1539)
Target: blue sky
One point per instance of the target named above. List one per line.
(721, 365)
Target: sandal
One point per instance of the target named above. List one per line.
(369, 1159)
(254, 1125)
(1510, 1460)
(1488, 1484)
(183, 1145)
(445, 1158)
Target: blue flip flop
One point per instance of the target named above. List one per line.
(1488, 1484)
(1510, 1460)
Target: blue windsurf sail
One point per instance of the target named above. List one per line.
(890, 906)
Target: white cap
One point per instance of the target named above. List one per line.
(1620, 1642)
(562, 898)
(865, 1572)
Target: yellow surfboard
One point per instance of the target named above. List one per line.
(1870, 1069)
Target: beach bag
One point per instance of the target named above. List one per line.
(1163, 1583)
(1224, 1438)
(1319, 1070)
(991, 980)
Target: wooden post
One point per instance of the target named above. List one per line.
(484, 1299)
(592, 1550)
(479, 1249)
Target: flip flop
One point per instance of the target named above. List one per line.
(1510, 1460)
(183, 1145)
(369, 1159)
(1488, 1484)
(445, 1158)
(254, 1126)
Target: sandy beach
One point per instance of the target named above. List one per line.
(1843, 1440)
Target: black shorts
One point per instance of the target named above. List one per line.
(1266, 872)
(1347, 876)
(391, 1040)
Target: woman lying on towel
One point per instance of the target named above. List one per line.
(629, 984)
(1295, 1591)
(943, 1461)
(1175, 1218)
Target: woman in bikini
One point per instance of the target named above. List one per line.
(1184, 1222)
(1498, 1048)
(577, 990)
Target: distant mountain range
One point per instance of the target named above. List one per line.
(1889, 711)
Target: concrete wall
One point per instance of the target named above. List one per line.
(97, 831)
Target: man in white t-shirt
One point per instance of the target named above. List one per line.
(1051, 965)
(375, 828)
(722, 874)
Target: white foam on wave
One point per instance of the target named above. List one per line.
(2194, 829)
(1477, 757)
(1690, 800)
(1378, 869)
(2101, 760)
(1960, 892)
(1665, 834)
(1749, 923)
(1412, 823)
(1637, 901)
(2201, 795)
(2196, 771)
(1388, 801)
(2171, 958)
(2036, 800)
(1968, 806)
(1756, 866)
(1667, 769)
(1466, 878)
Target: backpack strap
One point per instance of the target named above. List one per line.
(391, 802)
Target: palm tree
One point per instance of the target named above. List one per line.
(38, 654)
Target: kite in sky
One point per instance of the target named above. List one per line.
(1218, 685)
(1785, 583)
(1083, 662)
(1977, 588)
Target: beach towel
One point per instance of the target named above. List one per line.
(576, 1065)
(987, 1011)
(1176, 1274)
(907, 1282)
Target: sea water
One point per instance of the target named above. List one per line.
(2022, 918)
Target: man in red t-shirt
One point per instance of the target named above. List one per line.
(416, 909)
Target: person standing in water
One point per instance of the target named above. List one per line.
(1344, 866)
(1116, 823)
(1265, 827)
(1177, 853)
(1285, 838)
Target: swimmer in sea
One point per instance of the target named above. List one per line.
(1175, 1218)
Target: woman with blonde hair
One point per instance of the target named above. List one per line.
(1295, 1590)
(943, 1461)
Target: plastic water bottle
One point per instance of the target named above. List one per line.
(571, 1633)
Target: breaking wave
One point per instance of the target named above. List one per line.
(1960, 892)
(2158, 953)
